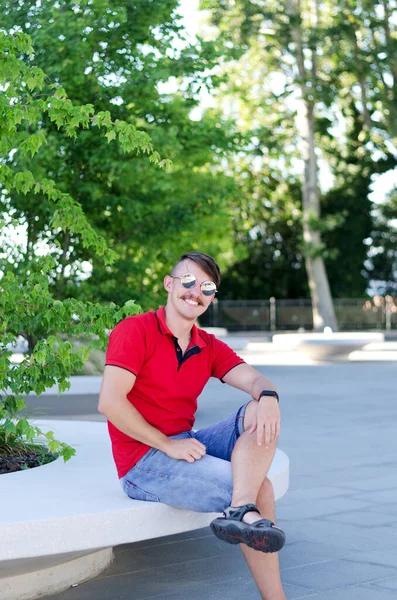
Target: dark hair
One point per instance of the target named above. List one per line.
(204, 261)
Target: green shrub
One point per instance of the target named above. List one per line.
(27, 305)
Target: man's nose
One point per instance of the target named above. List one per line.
(195, 289)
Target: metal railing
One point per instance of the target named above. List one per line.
(352, 314)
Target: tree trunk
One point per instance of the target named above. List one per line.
(323, 308)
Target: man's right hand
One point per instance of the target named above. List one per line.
(186, 449)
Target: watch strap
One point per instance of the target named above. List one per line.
(272, 393)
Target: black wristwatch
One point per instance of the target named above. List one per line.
(269, 393)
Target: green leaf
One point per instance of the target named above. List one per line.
(110, 135)
(84, 353)
(22, 427)
(67, 452)
(24, 181)
(40, 357)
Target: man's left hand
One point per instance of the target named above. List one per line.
(267, 421)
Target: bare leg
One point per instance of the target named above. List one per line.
(250, 464)
(265, 567)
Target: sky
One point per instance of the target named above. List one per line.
(190, 13)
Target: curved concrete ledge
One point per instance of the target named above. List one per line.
(62, 513)
(53, 578)
(326, 346)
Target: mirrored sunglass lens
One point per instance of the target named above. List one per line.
(188, 280)
(208, 288)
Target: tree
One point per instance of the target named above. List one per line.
(309, 83)
(362, 40)
(293, 32)
(383, 256)
(267, 238)
(303, 60)
(27, 307)
(118, 56)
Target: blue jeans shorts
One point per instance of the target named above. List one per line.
(204, 485)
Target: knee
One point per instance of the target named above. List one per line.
(249, 415)
(249, 419)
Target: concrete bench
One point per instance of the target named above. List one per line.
(326, 346)
(59, 522)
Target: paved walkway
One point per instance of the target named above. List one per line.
(340, 514)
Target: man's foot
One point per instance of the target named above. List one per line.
(261, 535)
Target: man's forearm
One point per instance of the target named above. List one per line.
(129, 420)
(261, 383)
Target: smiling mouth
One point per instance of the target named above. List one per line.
(191, 302)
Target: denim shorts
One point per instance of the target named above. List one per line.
(204, 485)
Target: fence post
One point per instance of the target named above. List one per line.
(272, 314)
(215, 313)
(388, 312)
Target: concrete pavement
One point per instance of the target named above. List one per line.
(340, 513)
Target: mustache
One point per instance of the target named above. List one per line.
(189, 297)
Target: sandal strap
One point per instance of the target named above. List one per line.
(264, 523)
(236, 513)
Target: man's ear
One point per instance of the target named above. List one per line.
(167, 283)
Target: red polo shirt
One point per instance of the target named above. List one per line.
(167, 384)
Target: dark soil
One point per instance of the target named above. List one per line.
(12, 463)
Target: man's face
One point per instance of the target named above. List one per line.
(187, 303)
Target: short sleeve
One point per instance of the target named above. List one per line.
(127, 345)
(224, 359)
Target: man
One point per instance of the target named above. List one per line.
(157, 364)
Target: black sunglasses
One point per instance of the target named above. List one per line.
(189, 280)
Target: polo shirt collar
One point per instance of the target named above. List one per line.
(196, 338)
